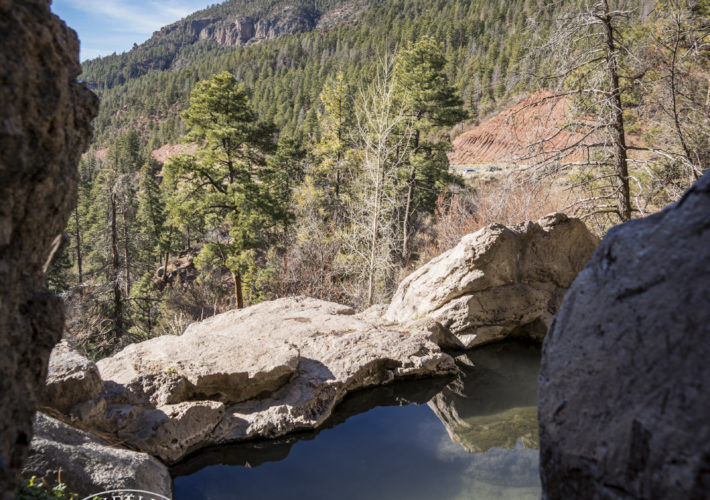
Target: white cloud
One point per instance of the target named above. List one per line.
(131, 16)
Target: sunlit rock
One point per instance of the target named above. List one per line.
(264, 371)
(497, 283)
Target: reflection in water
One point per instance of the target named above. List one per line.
(386, 443)
(493, 401)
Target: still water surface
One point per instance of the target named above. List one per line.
(469, 437)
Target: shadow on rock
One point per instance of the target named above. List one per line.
(255, 453)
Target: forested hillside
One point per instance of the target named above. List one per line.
(485, 42)
(319, 133)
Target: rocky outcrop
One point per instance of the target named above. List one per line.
(496, 283)
(71, 379)
(347, 13)
(252, 25)
(90, 464)
(508, 135)
(264, 371)
(44, 127)
(246, 30)
(525, 132)
(226, 367)
(625, 375)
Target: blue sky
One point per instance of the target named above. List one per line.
(107, 26)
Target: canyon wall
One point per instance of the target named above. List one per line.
(44, 127)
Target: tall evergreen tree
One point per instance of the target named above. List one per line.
(431, 103)
(334, 150)
(227, 179)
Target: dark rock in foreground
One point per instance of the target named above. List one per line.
(625, 379)
(45, 120)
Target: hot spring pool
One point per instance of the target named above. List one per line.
(473, 436)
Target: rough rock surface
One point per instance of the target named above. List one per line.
(71, 379)
(254, 25)
(223, 367)
(247, 30)
(497, 282)
(90, 464)
(44, 127)
(264, 371)
(624, 407)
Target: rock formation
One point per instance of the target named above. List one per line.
(624, 407)
(507, 135)
(264, 371)
(90, 464)
(249, 29)
(534, 127)
(44, 127)
(250, 25)
(496, 283)
(71, 379)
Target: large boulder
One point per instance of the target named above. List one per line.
(89, 464)
(45, 120)
(625, 379)
(71, 379)
(264, 371)
(220, 367)
(498, 282)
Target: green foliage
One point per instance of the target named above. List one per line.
(334, 167)
(424, 94)
(423, 86)
(229, 181)
(485, 43)
(35, 489)
(59, 277)
(287, 192)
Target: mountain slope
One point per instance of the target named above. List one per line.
(302, 44)
(233, 23)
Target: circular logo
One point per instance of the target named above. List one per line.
(126, 495)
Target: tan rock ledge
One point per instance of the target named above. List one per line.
(264, 371)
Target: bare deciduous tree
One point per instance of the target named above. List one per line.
(618, 74)
(385, 143)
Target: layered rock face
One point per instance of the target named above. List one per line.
(624, 407)
(498, 282)
(44, 127)
(90, 464)
(264, 371)
(249, 30)
(255, 25)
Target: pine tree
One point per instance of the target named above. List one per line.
(227, 179)
(431, 103)
(334, 150)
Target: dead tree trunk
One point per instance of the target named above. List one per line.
(78, 251)
(116, 269)
(621, 167)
